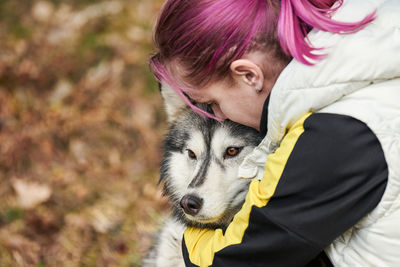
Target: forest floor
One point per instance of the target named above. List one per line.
(81, 125)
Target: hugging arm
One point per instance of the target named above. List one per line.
(327, 174)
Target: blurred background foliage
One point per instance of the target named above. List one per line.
(81, 124)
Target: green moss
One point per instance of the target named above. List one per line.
(90, 41)
(19, 31)
(13, 214)
(151, 83)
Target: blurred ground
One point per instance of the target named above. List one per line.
(81, 124)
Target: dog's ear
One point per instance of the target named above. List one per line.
(172, 101)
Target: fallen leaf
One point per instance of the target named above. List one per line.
(30, 194)
(42, 11)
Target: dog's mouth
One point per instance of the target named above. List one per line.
(205, 220)
(214, 222)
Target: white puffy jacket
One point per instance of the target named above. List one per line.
(361, 78)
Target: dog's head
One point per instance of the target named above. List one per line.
(200, 164)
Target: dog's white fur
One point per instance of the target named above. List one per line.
(167, 252)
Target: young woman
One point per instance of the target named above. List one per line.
(321, 79)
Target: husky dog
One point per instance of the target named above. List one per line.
(199, 173)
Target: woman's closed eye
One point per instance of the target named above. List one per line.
(217, 111)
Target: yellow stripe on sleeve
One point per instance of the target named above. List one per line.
(202, 244)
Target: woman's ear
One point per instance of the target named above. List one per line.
(246, 71)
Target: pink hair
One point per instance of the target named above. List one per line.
(206, 36)
(296, 15)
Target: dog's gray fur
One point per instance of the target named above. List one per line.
(211, 175)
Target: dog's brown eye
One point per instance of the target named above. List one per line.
(232, 151)
(191, 154)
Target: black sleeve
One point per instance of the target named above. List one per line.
(332, 175)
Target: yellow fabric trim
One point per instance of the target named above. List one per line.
(202, 244)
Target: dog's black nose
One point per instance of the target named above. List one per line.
(191, 204)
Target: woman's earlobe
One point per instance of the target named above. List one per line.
(258, 89)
